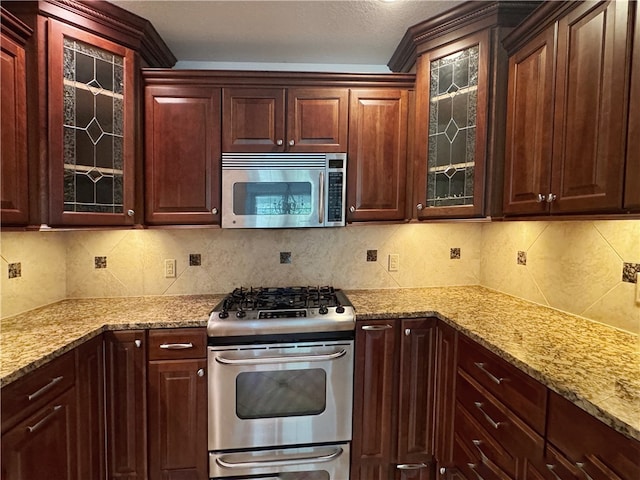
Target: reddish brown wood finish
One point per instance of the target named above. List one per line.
(182, 158)
(14, 188)
(552, 467)
(632, 177)
(446, 357)
(374, 435)
(126, 383)
(57, 216)
(377, 168)
(529, 126)
(196, 337)
(590, 111)
(91, 409)
(423, 80)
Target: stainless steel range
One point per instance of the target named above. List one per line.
(280, 366)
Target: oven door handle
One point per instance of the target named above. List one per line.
(280, 462)
(280, 359)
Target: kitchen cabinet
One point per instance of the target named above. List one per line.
(177, 404)
(14, 189)
(125, 390)
(377, 168)
(567, 125)
(182, 157)
(393, 400)
(262, 119)
(632, 175)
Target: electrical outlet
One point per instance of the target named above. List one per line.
(394, 262)
(638, 288)
(170, 268)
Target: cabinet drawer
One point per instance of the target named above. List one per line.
(22, 397)
(516, 389)
(177, 343)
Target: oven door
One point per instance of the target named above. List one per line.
(327, 462)
(278, 395)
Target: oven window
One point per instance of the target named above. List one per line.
(281, 393)
(272, 198)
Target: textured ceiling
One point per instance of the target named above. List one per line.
(363, 32)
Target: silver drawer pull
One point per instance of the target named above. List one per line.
(551, 469)
(493, 378)
(411, 466)
(477, 443)
(492, 422)
(297, 460)
(473, 467)
(200, 372)
(176, 346)
(47, 387)
(580, 465)
(41, 422)
(376, 327)
(280, 359)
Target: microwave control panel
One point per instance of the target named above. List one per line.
(335, 208)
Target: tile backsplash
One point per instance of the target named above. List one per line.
(572, 266)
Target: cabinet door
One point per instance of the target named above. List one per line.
(44, 444)
(632, 176)
(91, 129)
(182, 169)
(452, 128)
(416, 398)
(317, 119)
(529, 127)
(377, 155)
(253, 120)
(91, 411)
(177, 420)
(590, 111)
(126, 404)
(374, 384)
(14, 203)
(445, 381)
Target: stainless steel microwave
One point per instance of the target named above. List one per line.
(283, 190)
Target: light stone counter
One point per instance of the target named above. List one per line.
(595, 366)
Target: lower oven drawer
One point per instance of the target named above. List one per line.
(326, 462)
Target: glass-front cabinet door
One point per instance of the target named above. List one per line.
(91, 120)
(451, 124)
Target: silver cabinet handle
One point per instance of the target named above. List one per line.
(41, 422)
(176, 346)
(477, 443)
(279, 142)
(580, 465)
(291, 143)
(137, 343)
(352, 209)
(492, 422)
(214, 210)
(411, 466)
(376, 327)
(551, 469)
(226, 463)
(473, 467)
(48, 386)
(280, 359)
(131, 213)
(493, 378)
(407, 332)
(200, 372)
(419, 206)
(551, 198)
(541, 198)
(321, 195)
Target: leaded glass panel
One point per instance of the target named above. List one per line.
(452, 124)
(93, 129)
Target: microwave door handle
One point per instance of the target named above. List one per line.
(281, 359)
(281, 462)
(321, 202)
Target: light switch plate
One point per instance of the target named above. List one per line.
(170, 268)
(638, 288)
(394, 262)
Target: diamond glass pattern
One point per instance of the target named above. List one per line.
(452, 122)
(93, 128)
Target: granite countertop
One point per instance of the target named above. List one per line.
(595, 366)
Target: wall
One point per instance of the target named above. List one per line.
(572, 266)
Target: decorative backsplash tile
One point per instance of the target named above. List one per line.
(522, 257)
(285, 257)
(195, 260)
(100, 262)
(372, 255)
(630, 272)
(455, 253)
(15, 270)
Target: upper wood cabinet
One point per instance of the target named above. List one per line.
(632, 177)
(568, 106)
(14, 203)
(284, 119)
(182, 155)
(377, 160)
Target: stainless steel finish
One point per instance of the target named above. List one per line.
(33, 428)
(131, 213)
(214, 210)
(551, 198)
(321, 201)
(492, 422)
(47, 387)
(200, 372)
(551, 469)
(493, 378)
(411, 466)
(407, 332)
(580, 466)
(176, 346)
(420, 206)
(443, 470)
(352, 209)
(334, 459)
(138, 343)
(376, 327)
(477, 443)
(473, 467)
(291, 143)
(266, 360)
(279, 142)
(541, 198)
(226, 431)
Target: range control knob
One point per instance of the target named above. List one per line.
(323, 310)
(339, 309)
(223, 314)
(241, 314)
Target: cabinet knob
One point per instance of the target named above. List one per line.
(541, 198)
(407, 332)
(137, 343)
(291, 143)
(279, 142)
(352, 209)
(200, 372)
(551, 197)
(131, 213)
(419, 206)
(214, 210)
(443, 470)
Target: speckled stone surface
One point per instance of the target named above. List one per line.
(595, 366)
